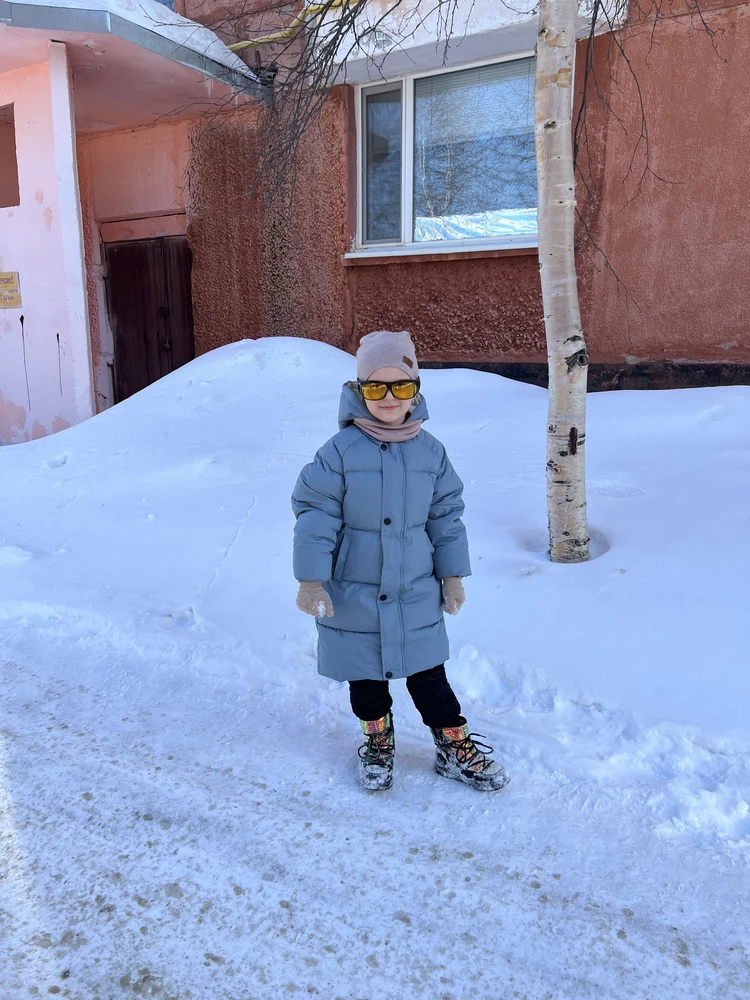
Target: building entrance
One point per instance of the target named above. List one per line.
(150, 310)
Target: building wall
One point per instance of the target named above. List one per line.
(137, 173)
(675, 230)
(223, 231)
(45, 367)
(273, 266)
(125, 175)
(479, 309)
(666, 282)
(265, 265)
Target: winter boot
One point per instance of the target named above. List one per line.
(376, 754)
(459, 756)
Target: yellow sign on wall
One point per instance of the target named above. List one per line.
(10, 290)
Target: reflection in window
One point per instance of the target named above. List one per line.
(474, 157)
(9, 191)
(382, 166)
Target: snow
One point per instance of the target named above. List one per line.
(160, 19)
(178, 799)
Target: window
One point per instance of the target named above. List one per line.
(382, 193)
(9, 192)
(450, 156)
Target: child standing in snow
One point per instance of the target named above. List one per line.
(380, 550)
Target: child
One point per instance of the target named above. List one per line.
(378, 530)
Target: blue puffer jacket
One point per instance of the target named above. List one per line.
(379, 525)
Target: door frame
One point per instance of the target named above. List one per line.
(118, 231)
(143, 229)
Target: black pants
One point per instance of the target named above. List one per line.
(430, 692)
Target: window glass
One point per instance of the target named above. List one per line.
(382, 166)
(9, 193)
(474, 157)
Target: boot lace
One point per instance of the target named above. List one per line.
(378, 748)
(468, 752)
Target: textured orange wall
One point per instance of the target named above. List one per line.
(677, 237)
(222, 231)
(483, 309)
(302, 276)
(261, 268)
(679, 248)
(233, 20)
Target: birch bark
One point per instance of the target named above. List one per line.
(566, 348)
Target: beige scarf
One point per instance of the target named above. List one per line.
(386, 432)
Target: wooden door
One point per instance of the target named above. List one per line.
(150, 310)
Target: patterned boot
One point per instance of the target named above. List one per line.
(459, 756)
(376, 754)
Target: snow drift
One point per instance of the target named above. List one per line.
(147, 613)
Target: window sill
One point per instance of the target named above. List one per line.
(447, 251)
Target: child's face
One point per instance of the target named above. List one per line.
(390, 410)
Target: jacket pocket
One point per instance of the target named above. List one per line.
(419, 555)
(340, 565)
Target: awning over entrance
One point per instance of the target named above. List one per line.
(134, 63)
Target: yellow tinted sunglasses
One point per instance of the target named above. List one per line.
(406, 389)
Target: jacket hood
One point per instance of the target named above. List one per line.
(352, 405)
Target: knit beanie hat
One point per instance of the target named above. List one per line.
(386, 349)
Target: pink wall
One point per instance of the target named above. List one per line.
(139, 172)
(45, 372)
(129, 174)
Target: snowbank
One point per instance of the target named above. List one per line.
(155, 662)
(178, 499)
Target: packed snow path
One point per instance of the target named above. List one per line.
(179, 810)
(204, 845)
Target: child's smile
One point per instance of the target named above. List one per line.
(390, 410)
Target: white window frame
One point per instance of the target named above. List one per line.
(405, 246)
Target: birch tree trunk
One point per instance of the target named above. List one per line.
(566, 348)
